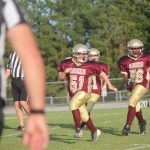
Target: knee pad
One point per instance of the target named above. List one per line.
(133, 100)
(84, 113)
(91, 101)
(136, 94)
(138, 107)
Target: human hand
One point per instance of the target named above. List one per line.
(130, 83)
(36, 132)
(68, 70)
(113, 88)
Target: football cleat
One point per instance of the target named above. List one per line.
(126, 130)
(143, 127)
(20, 128)
(83, 125)
(95, 135)
(78, 133)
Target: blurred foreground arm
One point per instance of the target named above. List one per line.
(22, 40)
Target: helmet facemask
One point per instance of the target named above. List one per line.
(135, 48)
(93, 54)
(135, 52)
(80, 57)
(80, 52)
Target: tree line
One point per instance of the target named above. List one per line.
(103, 24)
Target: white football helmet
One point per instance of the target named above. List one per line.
(135, 47)
(93, 54)
(80, 52)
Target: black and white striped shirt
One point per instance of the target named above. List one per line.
(14, 64)
(10, 16)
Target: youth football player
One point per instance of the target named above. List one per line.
(135, 68)
(78, 73)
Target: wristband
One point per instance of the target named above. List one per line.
(36, 111)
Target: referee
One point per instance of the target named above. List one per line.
(19, 34)
(18, 88)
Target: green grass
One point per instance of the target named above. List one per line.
(109, 121)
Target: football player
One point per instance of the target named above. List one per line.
(78, 73)
(135, 68)
(94, 55)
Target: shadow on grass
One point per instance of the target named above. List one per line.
(110, 130)
(70, 140)
(64, 138)
(20, 135)
(114, 131)
(8, 127)
(70, 126)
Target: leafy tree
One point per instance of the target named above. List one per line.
(106, 25)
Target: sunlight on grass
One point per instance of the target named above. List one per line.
(61, 127)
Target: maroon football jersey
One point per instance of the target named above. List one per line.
(136, 68)
(96, 81)
(79, 78)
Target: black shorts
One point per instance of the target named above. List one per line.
(2, 104)
(18, 89)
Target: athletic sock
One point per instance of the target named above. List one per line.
(76, 117)
(90, 125)
(139, 116)
(130, 115)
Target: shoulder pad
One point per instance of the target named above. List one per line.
(68, 57)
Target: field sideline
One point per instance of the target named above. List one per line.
(109, 121)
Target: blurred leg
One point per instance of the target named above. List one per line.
(25, 106)
(19, 112)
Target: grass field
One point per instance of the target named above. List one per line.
(109, 121)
